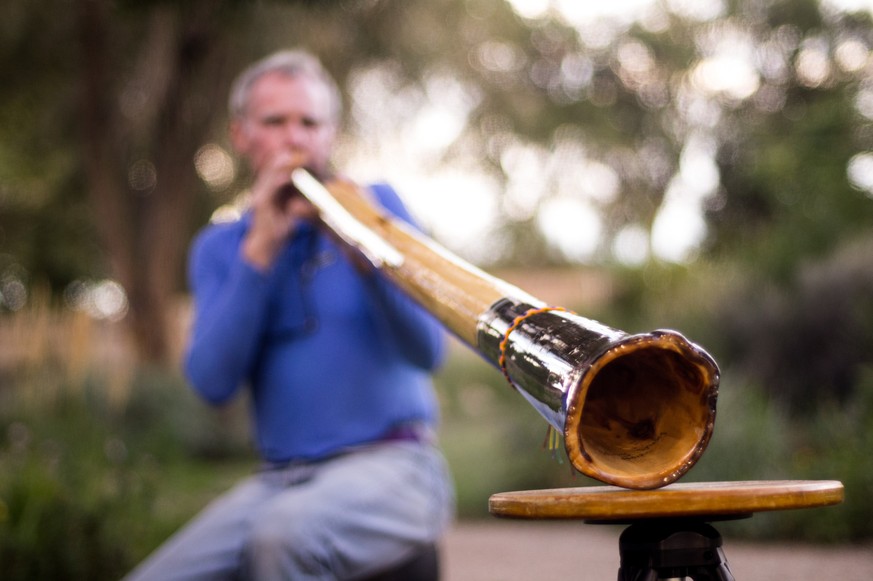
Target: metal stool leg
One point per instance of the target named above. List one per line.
(664, 549)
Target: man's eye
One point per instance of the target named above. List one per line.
(309, 122)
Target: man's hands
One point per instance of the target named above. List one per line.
(276, 210)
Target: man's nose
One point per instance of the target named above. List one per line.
(295, 134)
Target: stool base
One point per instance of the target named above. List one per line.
(668, 549)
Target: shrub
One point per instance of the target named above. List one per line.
(807, 341)
(88, 485)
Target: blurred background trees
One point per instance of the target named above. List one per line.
(682, 131)
(709, 163)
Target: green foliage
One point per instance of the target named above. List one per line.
(837, 446)
(45, 227)
(807, 341)
(785, 202)
(53, 521)
(88, 486)
(757, 439)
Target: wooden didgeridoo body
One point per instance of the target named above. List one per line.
(635, 410)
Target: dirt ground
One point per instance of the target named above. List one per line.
(507, 550)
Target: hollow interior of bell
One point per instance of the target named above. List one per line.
(647, 412)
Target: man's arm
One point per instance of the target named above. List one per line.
(230, 302)
(230, 282)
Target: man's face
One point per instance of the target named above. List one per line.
(286, 114)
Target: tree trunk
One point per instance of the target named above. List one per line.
(140, 135)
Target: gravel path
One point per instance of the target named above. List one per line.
(507, 550)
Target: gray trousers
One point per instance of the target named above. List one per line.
(343, 518)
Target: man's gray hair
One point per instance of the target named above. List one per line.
(292, 63)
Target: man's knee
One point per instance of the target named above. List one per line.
(281, 547)
(272, 535)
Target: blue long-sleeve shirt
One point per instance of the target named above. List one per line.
(333, 358)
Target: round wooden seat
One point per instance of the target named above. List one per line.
(704, 500)
(668, 536)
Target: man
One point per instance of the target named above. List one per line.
(337, 362)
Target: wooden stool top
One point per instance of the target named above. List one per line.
(704, 499)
